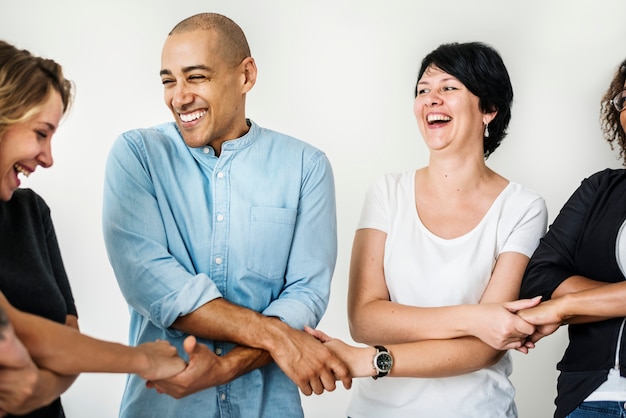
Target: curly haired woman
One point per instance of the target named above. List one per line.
(579, 269)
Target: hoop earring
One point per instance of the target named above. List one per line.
(486, 134)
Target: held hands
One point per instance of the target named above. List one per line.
(500, 328)
(545, 317)
(310, 364)
(535, 320)
(358, 359)
(196, 376)
(162, 360)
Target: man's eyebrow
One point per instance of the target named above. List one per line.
(196, 67)
(187, 69)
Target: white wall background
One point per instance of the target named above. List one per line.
(339, 74)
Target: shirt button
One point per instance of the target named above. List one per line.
(223, 396)
(206, 150)
(220, 217)
(218, 351)
(220, 175)
(218, 260)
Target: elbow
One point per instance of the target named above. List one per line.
(492, 357)
(359, 332)
(355, 332)
(485, 357)
(365, 325)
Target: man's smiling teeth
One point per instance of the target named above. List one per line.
(438, 118)
(22, 170)
(190, 117)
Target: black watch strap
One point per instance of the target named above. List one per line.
(382, 361)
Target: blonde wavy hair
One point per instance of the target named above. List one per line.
(26, 82)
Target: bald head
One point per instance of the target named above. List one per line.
(233, 45)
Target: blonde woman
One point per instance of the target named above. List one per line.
(34, 95)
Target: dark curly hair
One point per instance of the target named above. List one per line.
(481, 69)
(609, 116)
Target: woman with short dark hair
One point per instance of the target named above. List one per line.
(439, 254)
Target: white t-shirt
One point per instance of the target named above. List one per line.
(614, 388)
(422, 269)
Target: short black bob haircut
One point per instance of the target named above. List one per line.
(481, 69)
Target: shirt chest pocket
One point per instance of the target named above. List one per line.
(269, 240)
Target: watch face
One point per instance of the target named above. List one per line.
(384, 361)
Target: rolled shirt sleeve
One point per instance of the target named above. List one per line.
(313, 251)
(256, 226)
(153, 269)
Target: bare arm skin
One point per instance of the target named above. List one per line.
(311, 365)
(206, 369)
(18, 374)
(436, 342)
(65, 351)
(413, 359)
(23, 386)
(369, 308)
(52, 385)
(577, 300)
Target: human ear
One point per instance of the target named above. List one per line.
(249, 74)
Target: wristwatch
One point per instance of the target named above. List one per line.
(382, 361)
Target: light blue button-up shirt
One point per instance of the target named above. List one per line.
(256, 226)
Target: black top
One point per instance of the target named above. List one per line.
(32, 276)
(582, 241)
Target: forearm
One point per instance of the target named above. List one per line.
(370, 309)
(74, 353)
(64, 350)
(52, 385)
(49, 387)
(223, 321)
(597, 301)
(442, 358)
(408, 324)
(576, 284)
(427, 359)
(243, 360)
